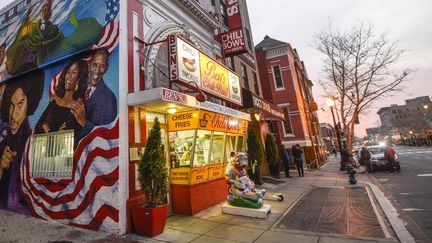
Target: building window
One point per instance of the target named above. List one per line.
(223, 12)
(248, 39)
(245, 76)
(277, 75)
(230, 63)
(287, 123)
(255, 80)
(394, 111)
(160, 78)
(52, 154)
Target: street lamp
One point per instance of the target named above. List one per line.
(331, 103)
(425, 118)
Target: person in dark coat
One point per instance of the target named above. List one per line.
(297, 154)
(365, 156)
(286, 158)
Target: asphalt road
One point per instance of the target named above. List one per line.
(412, 188)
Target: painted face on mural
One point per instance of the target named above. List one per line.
(71, 78)
(98, 67)
(17, 110)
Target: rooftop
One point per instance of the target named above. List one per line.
(269, 42)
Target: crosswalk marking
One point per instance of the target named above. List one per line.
(424, 175)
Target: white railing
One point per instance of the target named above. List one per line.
(51, 155)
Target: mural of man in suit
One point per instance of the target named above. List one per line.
(99, 106)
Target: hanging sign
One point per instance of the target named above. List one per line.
(233, 14)
(188, 64)
(233, 42)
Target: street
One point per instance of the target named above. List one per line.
(412, 187)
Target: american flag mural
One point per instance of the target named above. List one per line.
(90, 198)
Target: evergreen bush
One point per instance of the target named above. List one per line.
(272, 155)
(153, 174)
(255, 154)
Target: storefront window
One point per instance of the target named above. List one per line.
(230, 144)
(181, 147)
(241, 144)
(217, 151)
(150, 116)
(202, 148)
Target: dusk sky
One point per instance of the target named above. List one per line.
(298, 22)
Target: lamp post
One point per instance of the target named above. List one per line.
(425, 117)
(330, 103)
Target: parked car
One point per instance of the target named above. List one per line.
(378, 160)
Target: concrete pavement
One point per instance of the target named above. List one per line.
(213, 226)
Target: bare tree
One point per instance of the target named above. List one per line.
(358, 65)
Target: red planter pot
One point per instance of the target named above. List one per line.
(149, 221)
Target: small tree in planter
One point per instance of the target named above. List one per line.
(255, 155)
(272, 155)
(150, 219)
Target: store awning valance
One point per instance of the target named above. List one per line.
(269, 110)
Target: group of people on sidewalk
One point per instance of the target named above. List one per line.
(296, 156)
(389, 155)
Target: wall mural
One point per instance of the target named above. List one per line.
(59, 113)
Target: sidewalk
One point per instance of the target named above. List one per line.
(213, 226)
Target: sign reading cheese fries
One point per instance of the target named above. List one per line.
(200, 119)
(187, 63)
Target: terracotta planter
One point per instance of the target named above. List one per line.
(149, 221)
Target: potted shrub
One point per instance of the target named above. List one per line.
(255, 156)
(149, 219)
(272, 155)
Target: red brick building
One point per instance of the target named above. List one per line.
(285, 82)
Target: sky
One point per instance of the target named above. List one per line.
(298, 22)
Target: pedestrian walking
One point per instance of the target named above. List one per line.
(335, 152)
(390, 155)
(297, 154)
(286, 158)
(365, 156)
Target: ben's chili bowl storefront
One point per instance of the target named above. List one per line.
(197, 136)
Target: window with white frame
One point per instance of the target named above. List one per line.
(287, 123)
(223, 12)
(277, 75)
(52, 155)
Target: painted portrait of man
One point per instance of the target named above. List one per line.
(20, 100)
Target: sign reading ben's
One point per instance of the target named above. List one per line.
(188, 64)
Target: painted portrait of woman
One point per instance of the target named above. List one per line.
(72, 86)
